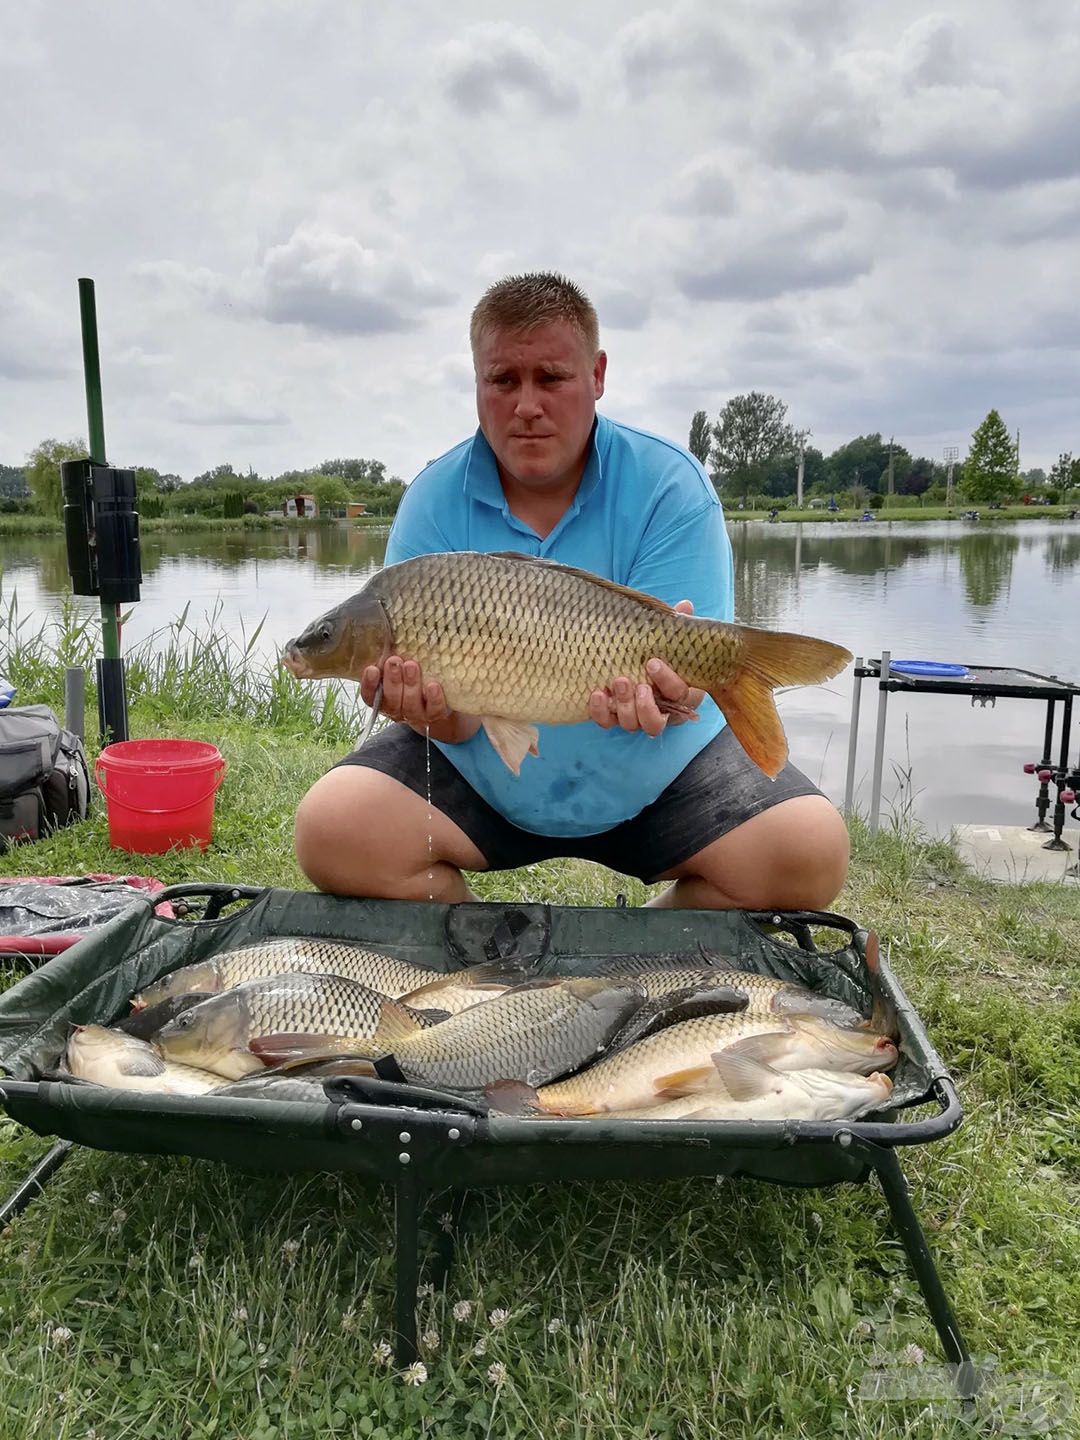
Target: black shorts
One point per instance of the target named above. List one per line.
(719, 789)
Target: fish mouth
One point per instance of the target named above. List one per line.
(296, 662)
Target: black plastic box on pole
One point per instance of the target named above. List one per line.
(101, 528)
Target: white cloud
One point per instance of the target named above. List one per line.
(290, 209)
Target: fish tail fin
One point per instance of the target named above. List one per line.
(884, 1018)
(770, 659)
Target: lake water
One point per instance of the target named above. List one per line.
(976, 593)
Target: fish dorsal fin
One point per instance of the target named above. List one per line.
(396, 1023)
(649, 601)
(511, 740)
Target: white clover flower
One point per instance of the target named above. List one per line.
(416, 1374)
(554, 1326)
(424, 1292)
(240, 1315)
(816, 1220)
(480, 1348)
(118, 1217)
(463, 1309)
(60, 1335)
(382, 1353)
(348, 1321)
(289, 1251)
(913, 1355)
(496, 1372)
(94, 1198)
(446, 1222)
(260, 1348)
(498, 1318)
(430, 1339)
(195, 1262)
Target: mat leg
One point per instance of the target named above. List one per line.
(35, 1182)
(406, 1266)
(447, 1211)
(922, 1262)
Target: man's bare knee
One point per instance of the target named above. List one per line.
(360, 832)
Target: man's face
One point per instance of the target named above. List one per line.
(536, 395)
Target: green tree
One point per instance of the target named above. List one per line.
(700, 440)
(43, 473)
(355, 472)
(921, 474)
(1065, 471)
(13, 482)
(781, 473)
(864, 463)
(330, 492)
(751, 431)
(989, 472)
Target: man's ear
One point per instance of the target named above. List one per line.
(599, 371)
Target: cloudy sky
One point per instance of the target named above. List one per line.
(289, 208)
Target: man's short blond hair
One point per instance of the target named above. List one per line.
(525, 302)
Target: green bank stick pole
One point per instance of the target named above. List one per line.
(95, 419)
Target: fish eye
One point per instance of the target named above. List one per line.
(325, 631)
(184, 1021)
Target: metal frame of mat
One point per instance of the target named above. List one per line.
(425, 1146)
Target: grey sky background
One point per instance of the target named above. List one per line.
(871, 210)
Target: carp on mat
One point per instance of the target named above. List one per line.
(681, 1040)
(520, 641)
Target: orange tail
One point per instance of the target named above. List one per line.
(771, 658)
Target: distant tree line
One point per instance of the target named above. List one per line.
(752, 450)
(219, 491)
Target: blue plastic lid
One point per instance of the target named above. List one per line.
(929, 667)
(7, 692)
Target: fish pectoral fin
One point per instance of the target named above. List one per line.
(745, 1069)
(295, 1045)
(144, 1063)
(684, 1082)
(511, 740)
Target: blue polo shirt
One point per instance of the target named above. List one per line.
(645, 515)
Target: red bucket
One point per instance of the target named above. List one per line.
(159, 793)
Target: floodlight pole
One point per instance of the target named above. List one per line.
(95, 419)
(801, 437)
(951, 454)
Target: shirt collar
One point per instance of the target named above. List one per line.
(482, 471)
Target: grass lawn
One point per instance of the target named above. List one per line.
(146, 1297)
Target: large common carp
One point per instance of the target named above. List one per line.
(290, 954)
(521, 641)
(531, 1034)
(681, 1060)
(217, 1034)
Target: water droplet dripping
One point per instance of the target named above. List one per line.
(430, 839)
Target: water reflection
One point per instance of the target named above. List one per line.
(936, 591)
(986, 563)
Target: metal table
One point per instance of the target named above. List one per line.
(987, 684)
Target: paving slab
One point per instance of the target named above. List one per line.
(1014, 854)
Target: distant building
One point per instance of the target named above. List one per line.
(354, 508)
(300, 507)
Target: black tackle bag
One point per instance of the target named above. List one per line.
(44, 780)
